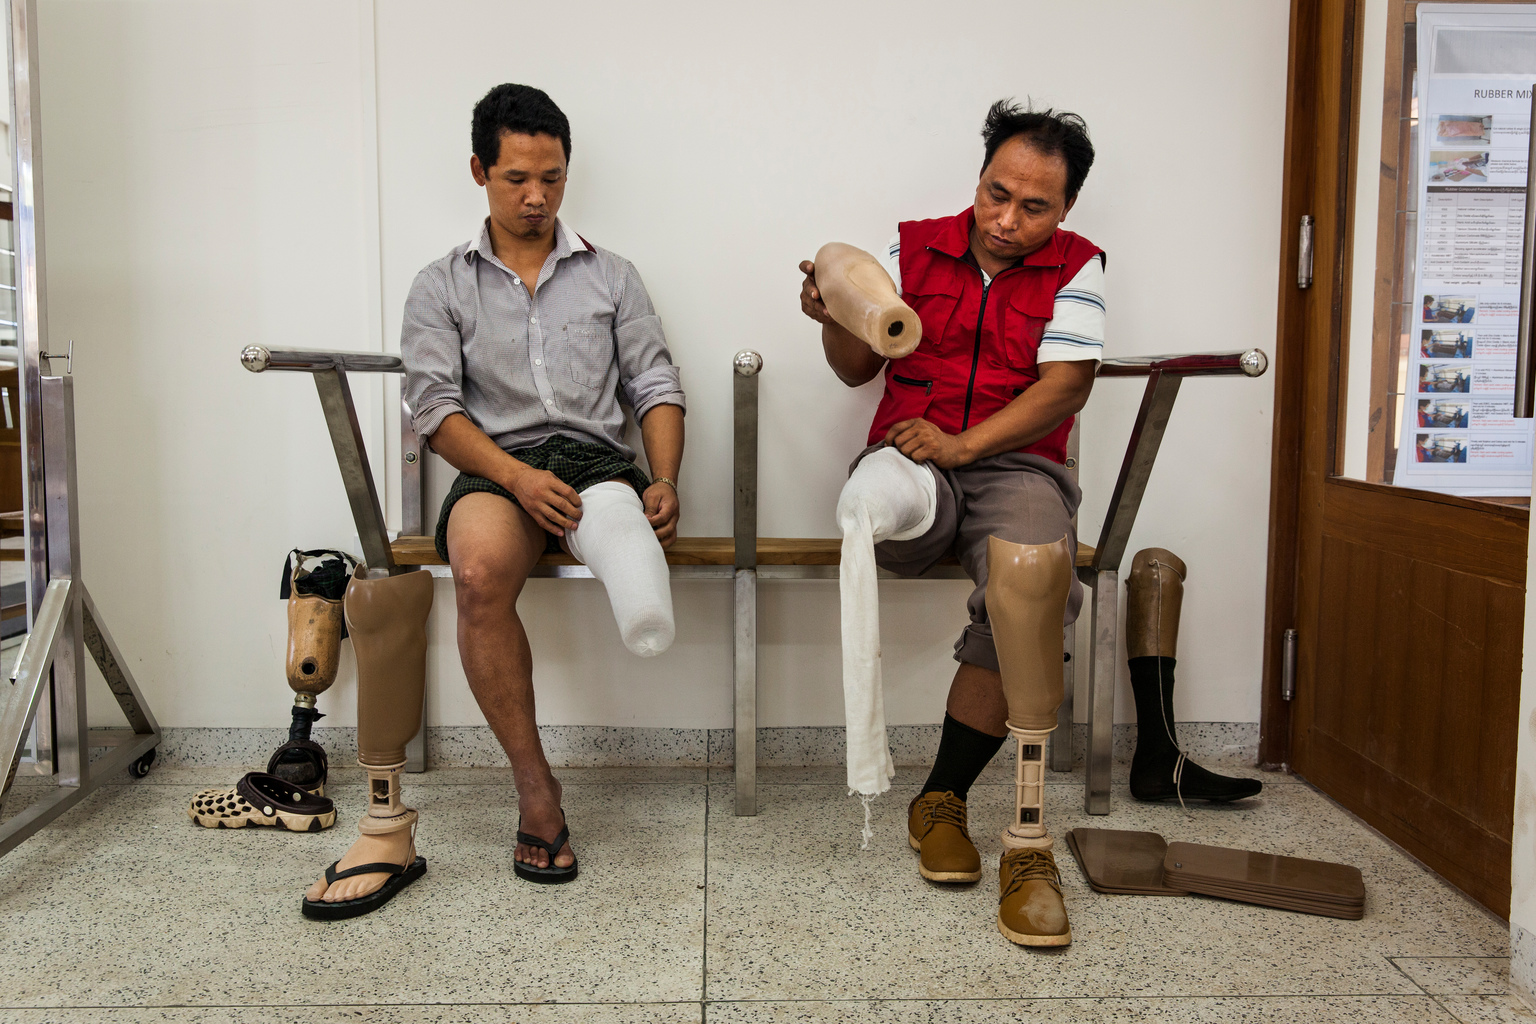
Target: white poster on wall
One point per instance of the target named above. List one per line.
(1476, 67)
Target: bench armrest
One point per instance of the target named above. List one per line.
(1164, 375)
(258, 358)
(1251, 363)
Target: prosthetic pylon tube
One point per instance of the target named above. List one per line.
(1027, 588)
(861, 297)
(387, 618)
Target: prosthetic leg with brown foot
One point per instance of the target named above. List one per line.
(1154, 596)
(1027, 588)
(387, 618)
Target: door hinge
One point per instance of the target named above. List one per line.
(1288, 666)
(1304, 253)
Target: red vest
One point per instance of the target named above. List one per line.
(978, 348)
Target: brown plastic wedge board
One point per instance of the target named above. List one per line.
(1122, 863)
(1292, 883)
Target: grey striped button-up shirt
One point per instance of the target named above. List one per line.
(525, 369)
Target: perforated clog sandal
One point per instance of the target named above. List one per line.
(262, 799)
(301, 763)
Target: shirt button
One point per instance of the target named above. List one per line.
(549, 401)
(533, 319)
(538, 362)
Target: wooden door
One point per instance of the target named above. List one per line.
(1408, 605)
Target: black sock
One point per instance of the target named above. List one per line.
(963, 753)
(1157, 750)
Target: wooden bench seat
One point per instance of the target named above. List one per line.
(698, 551)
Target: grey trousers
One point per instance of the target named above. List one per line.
(1023, 499)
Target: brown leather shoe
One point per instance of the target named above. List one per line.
(1030, 911)
(936, 830)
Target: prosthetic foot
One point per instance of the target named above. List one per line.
(387, 618)
(1159, 770)
(1027, 588)
(861, 297)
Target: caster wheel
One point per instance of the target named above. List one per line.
(140, 768)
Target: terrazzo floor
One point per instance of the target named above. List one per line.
(123, 910)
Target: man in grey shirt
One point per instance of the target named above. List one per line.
(519, 347)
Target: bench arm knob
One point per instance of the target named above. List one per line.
(255, 358)
(1254, 362)
(747, 363)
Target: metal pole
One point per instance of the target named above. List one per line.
(1101, 691)
(746, 366)
(32, 322)
(1525, 365)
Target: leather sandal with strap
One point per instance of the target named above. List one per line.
(551, 875)
(400, 876)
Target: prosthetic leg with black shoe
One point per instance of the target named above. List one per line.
(290, 794)
(316, 626)
(1027, 588)
(387, 618)
(1154, 596)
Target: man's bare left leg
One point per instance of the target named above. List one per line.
(493, 546)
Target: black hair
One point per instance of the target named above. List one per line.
(1050, 132)
(519, 109)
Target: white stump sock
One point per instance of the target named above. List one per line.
(888, 497)
(615, 541)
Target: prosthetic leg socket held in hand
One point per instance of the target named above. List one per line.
(387, 618)
(888, 497)
(1154, 596)
(1027, 588)
(863, 299)
(617, 543)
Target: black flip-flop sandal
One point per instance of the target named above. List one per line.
(551, 875)
(400, 877)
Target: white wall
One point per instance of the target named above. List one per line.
(210, 179)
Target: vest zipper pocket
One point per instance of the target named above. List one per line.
(926, 385)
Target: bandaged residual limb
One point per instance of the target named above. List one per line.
(863, 299)
(616, 541)
(1154, 597)
(888, 497)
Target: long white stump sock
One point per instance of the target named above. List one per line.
(615, 541)
(888, 497)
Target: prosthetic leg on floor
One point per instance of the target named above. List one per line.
(1027, 588)
(387, 618)
(1154, 596)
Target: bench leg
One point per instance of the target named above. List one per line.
(1101, 692)
(746, 691)
(1061, 739)
(416, 749)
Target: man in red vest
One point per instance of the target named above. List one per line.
(1013, 327)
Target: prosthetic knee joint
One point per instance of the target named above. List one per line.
(1027, 588)
(387, 618)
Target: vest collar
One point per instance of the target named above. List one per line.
(954, 239)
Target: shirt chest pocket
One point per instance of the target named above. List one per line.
(588, 353)
(1028, 310)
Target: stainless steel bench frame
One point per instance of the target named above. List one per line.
(1164, 375)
